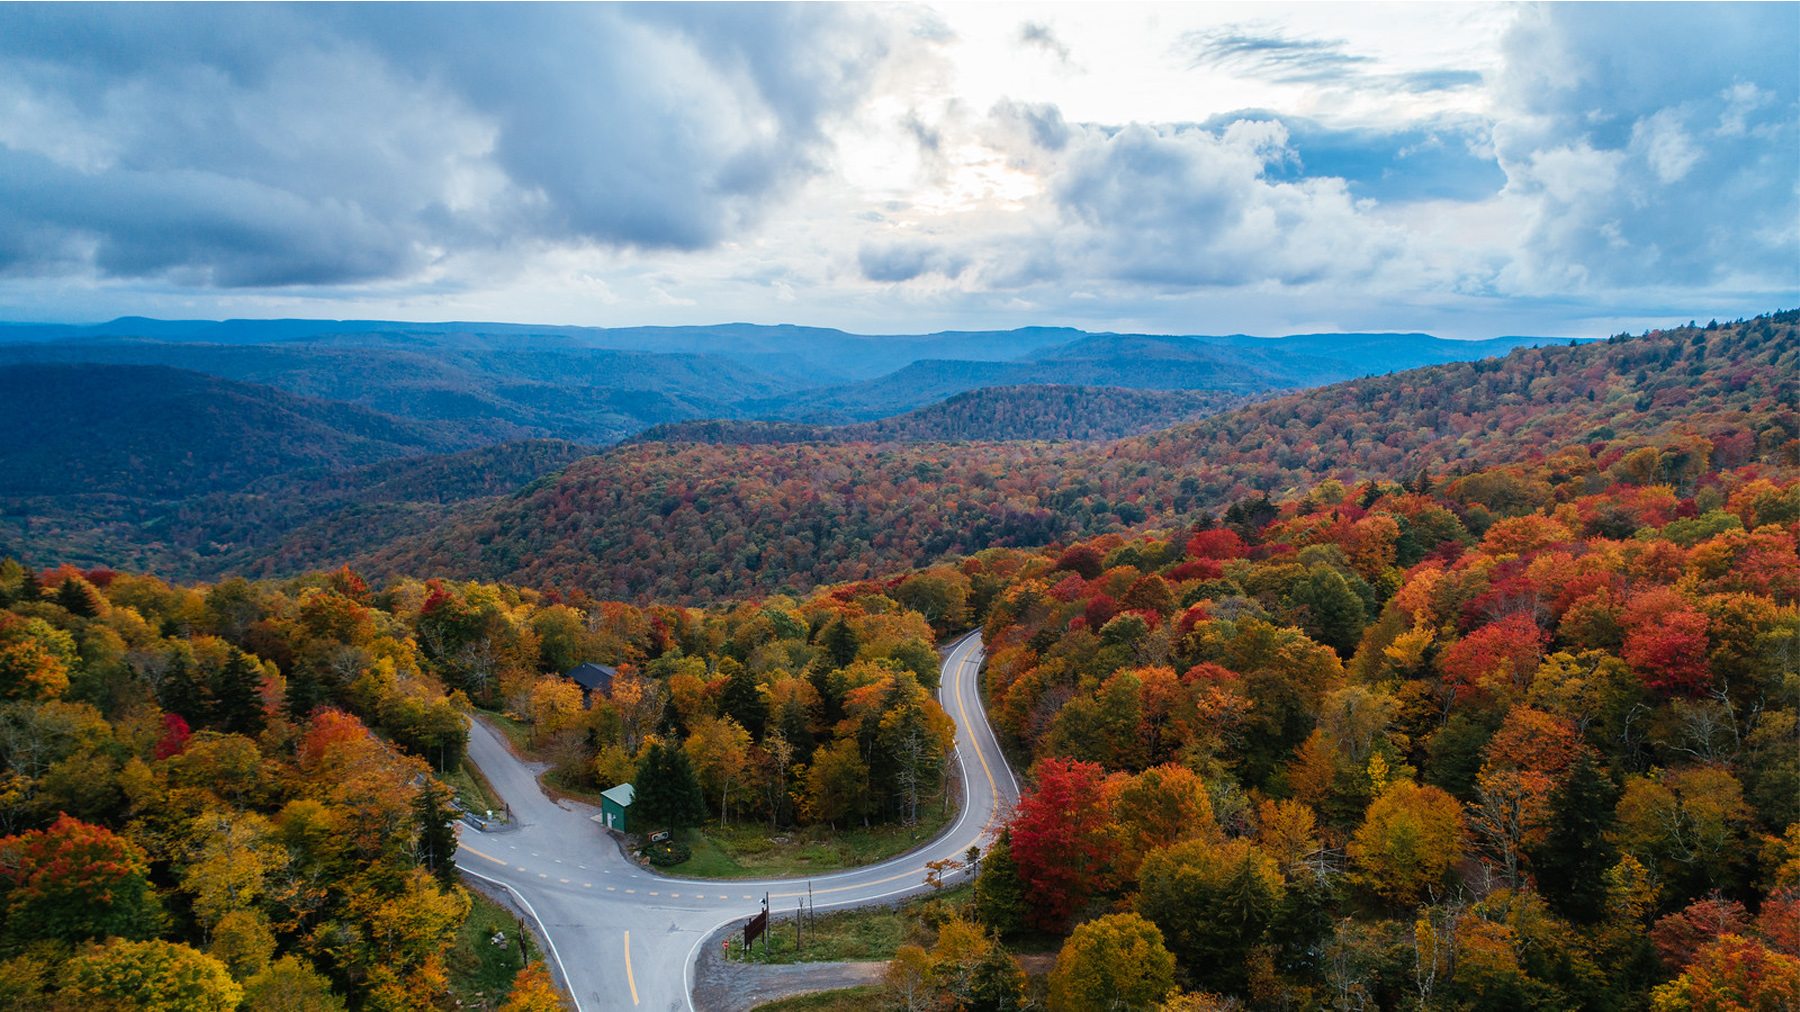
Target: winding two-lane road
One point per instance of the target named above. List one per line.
(624, 938)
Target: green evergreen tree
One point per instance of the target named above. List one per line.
(796, 726)
(742, 700)
(437, 832)
(304, 694)
(181, 691)
(840, 643)
(1570, 864)
(666, 792)
(1335, 609)
(997, 985)
(237, 703)
(29, 587)
(76, 598)
(999, 895)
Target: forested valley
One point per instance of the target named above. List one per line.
(1470, 687)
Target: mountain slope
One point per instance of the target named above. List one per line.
(510, 381)
(1238, 365)
(991, 414)
(160, 432)
(496, 394)
(688, 522)
(190, 475)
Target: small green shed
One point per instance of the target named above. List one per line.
(614, 806)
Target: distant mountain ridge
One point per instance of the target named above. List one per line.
(988, 414)
(691, 522)
(583, 383)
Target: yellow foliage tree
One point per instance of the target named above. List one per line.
(1410, 836)
(149, 977)
(1115, 962)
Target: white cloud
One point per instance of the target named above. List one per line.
(904, 167)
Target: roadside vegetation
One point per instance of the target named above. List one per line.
(847, 999)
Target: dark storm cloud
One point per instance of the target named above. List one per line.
(275, 145)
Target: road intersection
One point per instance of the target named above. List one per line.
(624, 938)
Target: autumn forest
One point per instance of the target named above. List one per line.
(1467, 687)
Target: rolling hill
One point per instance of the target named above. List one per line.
(153, 431)
(696, 522)
(991, 414)
(183, 473)
(501, 382)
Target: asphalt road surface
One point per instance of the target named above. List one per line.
(623, 938)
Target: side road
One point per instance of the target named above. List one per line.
(623, 938)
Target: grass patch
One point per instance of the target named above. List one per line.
(754, 851)
(481, 973)
(709, 861)
(869, 933)
(848, 999)
(557, 781)
(472, 788)
(517, 732)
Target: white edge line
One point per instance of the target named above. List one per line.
(551, 942)
(688, 970)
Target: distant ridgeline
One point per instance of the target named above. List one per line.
(494, 382)
(693, 521)
(416, 451)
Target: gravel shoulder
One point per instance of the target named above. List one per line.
(739, 987)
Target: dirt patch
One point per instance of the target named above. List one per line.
(739, 987)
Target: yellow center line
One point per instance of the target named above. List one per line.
(477, 853)
(962, 710)
(629, 977)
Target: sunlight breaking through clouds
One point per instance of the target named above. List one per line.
(1472, 169)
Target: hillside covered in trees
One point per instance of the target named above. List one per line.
(695, 522)
(991, 414)
(238, 792)
(1380, 747)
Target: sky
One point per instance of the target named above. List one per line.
(1465, 169)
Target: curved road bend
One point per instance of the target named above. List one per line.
(624, 938)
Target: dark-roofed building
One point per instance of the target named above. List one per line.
(594, 679)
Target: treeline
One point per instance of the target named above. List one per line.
(689, 522)
(1520, 738)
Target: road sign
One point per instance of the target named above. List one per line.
(754, 927)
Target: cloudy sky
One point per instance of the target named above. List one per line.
(1468, 169)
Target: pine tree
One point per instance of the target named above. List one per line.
(75, 598)
(742, 701)
(999, 895)
(1570, 864)
(181, 692)
(840, 643)
(303, 696)
(29, 587)
(437, 832)
(237, 704)
(666, 793)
